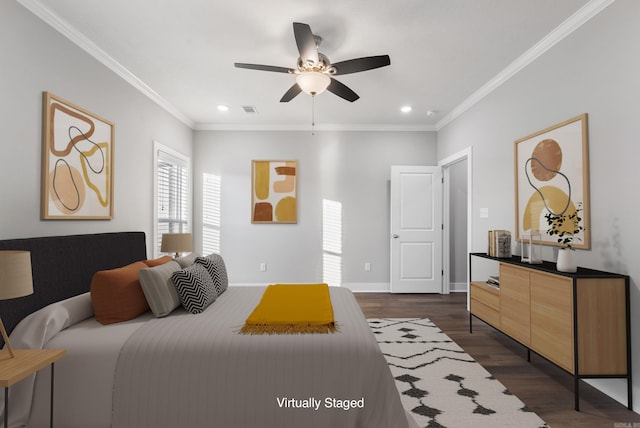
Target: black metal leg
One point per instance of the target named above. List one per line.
(51, 408)
(6, 407)
(627, 295)
(528, 355)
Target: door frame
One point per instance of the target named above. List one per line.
(445, 164)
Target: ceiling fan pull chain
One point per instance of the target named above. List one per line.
(313, 114)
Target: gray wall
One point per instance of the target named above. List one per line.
(348, 167)
(458, 194)
(36, 58)
(594, 70)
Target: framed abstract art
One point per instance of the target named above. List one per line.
(77, 162)
(274, 187)
(552, 177)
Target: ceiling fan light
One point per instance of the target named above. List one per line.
(313, 82)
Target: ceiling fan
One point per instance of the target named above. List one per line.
(314, 72)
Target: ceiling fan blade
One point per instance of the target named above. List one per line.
(264, 67)
(291, 93)
(342, 90)
(306, 42)
(361, 64)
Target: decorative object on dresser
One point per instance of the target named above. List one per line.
(552, 177)
(499, 243)
(565, 228)
(77, 162)
(15, 281)
(530, 248)
(176, 243)
(578, 321)
(566, 261)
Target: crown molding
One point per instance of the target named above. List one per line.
(92, 49)
(317, 127)
(575, 21)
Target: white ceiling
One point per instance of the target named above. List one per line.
(444, 53)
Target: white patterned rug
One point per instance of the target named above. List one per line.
(440, 384)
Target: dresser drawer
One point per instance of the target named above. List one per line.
(485, 302)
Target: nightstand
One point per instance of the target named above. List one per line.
(25, 363)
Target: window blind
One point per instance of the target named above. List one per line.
(172, 194)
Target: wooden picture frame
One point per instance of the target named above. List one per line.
(552, 176)
(77, 162)
(274, 191)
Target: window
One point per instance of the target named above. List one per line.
(332, 242)
(172, 196)
(211, 188)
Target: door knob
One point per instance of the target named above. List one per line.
(395, 236)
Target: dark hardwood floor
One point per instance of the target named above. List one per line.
(544, 388)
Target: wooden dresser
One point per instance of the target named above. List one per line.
(578, 321)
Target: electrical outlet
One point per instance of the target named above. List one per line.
(263, 267)
(367, 267)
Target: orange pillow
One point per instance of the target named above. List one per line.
(116, 294)
(157, 262)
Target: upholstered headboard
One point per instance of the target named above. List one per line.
(64, 265)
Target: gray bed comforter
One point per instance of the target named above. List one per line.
(196, 371)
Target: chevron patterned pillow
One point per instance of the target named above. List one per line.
(195, 288)
(217, 269)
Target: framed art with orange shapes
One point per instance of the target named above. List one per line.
(274, 191)
(77, 162)
(552, 176)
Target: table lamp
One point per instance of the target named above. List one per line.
(15, 281)
(176, 243)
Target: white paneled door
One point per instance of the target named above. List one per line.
(416, 229)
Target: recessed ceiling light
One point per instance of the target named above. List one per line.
(222, 107)
(431, 113)
(406, 109)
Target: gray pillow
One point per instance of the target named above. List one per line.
(214, 263)
(187, 260)
(158, 288)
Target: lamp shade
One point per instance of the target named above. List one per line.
(176, 243)
(313, 82)
(16, 279)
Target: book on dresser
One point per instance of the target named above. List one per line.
(494, 280)
(499, 243)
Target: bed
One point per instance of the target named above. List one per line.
(185, 369)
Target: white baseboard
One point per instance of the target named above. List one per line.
(356, 287)
(376, 287)
(458, 287)
(364, 287)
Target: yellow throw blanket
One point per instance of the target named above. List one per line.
(292, 309)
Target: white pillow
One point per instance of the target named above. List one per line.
(158, 288)
(35, 330)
